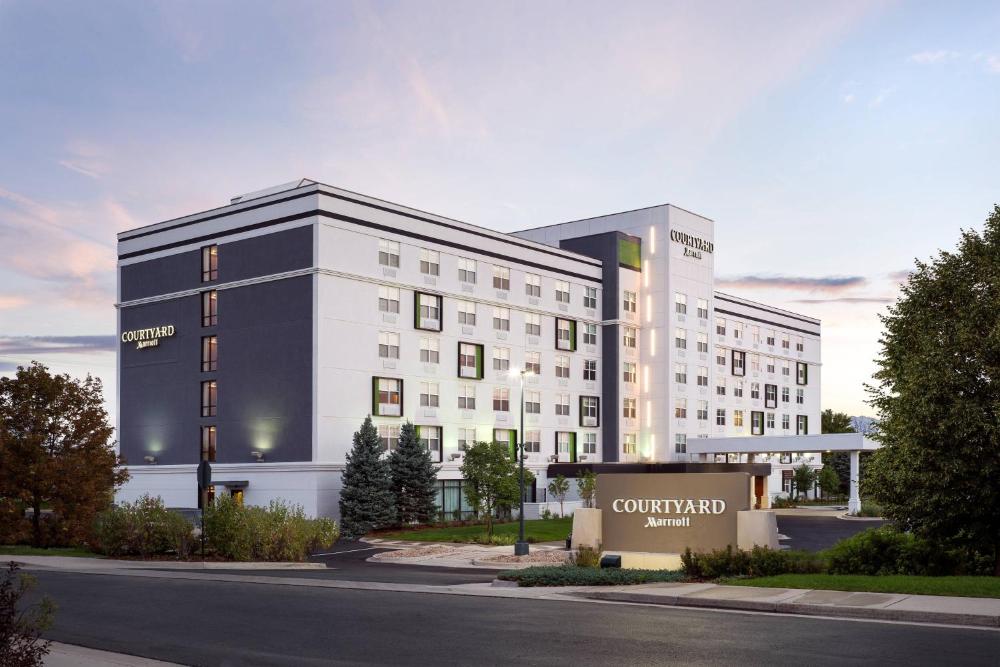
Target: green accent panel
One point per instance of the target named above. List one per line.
(572, 335)
(375, 396)
(572, 447)
(629, 254)
(416, 310)
(513, 444)
(479, 362)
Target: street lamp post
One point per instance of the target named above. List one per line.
(521, 546)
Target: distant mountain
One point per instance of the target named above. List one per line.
(862, 425)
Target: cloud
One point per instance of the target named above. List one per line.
(848, 299)
(900, 276)
(30, 345)
(993, 64)
(821, 284)
(86, 158)
(882, 96)
(933, 57)
(849, 98)
(9, 301)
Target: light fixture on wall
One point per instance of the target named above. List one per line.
(151, 460)
(257, 456)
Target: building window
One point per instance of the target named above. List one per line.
(533, 362)
(755, 334)
(388, 345)
(562, 366)
(680, 303)
(501, 319)
(801, 373)
(629, 375)
(430, 351)
(769, 420)
(680, 443)
(769, 364)
(430, 262)
(629, 302)
(388, 436)
(784, 394)
(501, 278)
(466, 438)
(428, 313)
(388, 299)
(680, 373)
(562, 442)
(702, 411)
(467, 270)
(501, 399)
(755, 363)
(533, 402)
(533, 324)
(680, 408)
(628, 337)
(738, 330)
(738, 388)
(720, 357)
(720, 417)
(430, 438)
(209, 263)
(209, 354)
(680, 339)
(565, 334)
(755, 390)
(429, 395)
(589, 411)
(208, 443)
(738, 418)
(628, 444)
(770, 337)
(589, 443)
(785, 422)
(590, 334)
(800, 396)
(702, 376)
(785, 368)
(209, 398)
(787, 478)
(720, 387)
(389, 397)
(770, 395)
(703, 343)
(533, 441)
(501, 359)
(628, 408)
(209, 308)
(801, 425)
(702, 309)
(590, 297)
(756, 423)
(467, 313)
(799, 347)
(467, 397)
(532, 285)
(784, 340)
(562, 405)
(590, 370)
(388, 253)
(562, 291)
(720, 326)
(470, 361)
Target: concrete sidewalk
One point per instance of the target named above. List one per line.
(70, 655)
(979, 612)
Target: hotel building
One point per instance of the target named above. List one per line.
(260, 334)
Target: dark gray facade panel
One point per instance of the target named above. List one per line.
(605, 248)
(264, 377)
(254, 257)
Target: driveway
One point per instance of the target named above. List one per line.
(815, 533)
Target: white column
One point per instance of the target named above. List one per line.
(854, 503)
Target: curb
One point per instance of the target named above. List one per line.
(866, 613)
(111, 564)
(849, 517)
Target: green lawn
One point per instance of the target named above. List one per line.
(973, 587)
(542, 530)
(24, 550)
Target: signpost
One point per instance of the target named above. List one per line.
(204, 481)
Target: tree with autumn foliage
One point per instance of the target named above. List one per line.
(56, 453)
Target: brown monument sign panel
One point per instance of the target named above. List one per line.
(664, 513)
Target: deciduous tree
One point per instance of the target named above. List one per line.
(491, 479)
(558, 488)
(586, 485)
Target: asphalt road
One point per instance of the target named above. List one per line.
(224, 623)
(815, 533)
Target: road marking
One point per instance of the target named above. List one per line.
(349, 551)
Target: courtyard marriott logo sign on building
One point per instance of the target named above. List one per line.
(668, 512)
(147, 337)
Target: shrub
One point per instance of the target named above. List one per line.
(21, 625)
(879, 551)
(781, 502)
(869, 509)
(494, 540)
(758, 562)
(587, 557)
(572, 575)
(143, 528)
(278, 532)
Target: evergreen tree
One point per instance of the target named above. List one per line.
(838, 422)
(366, 500)
(414, 478)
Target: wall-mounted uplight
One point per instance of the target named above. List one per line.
(652, 342)
(652, 240)
(257, 456)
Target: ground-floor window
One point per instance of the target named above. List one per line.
(451, 500)
(786, 481)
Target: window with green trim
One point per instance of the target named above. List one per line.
(427, 311)
(387, 397)
(470, 361)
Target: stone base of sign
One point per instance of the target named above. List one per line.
(587, 528)
(756, 528)
(639, 560)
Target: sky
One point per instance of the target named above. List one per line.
(832, 143)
